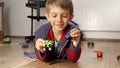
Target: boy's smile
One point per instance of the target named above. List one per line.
(58, 17)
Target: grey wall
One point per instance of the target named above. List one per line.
(97, 18)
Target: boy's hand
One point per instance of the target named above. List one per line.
(75, 35)
(40, 44)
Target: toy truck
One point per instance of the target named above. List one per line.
(49, 44)
(90, 44)
(99, 53)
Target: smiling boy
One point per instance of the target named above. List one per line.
(59, 13)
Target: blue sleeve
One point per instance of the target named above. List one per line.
(42, 31)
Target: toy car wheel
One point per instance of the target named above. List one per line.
(44, 49)
(88, 43)
(50, 48)
(118, 58)
(92, 43)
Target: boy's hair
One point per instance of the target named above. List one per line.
(65, 4)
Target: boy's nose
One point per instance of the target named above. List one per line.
(59, 18)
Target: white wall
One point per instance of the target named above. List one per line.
(98, 18)
(15, 16)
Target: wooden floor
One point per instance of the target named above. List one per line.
(11, 56)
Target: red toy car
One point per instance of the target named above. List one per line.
(25, 45)
(99, 53)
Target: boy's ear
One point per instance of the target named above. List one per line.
(47, 16)
(71, 17)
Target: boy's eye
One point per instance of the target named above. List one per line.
(54, 16)
(64, 16)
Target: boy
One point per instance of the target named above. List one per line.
(59, 13)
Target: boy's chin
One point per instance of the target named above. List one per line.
(59, 29)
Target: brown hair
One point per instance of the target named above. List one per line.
(65, 4)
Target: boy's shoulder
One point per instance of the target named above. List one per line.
(45, 25)
(42, 30)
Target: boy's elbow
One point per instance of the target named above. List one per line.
(74, 58)
(73, 61)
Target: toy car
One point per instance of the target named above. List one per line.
(49, 44)
(90, 44)
(68, 36)
(7, 40)
(99, 53)
(25, 45)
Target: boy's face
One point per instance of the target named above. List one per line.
(58, 17)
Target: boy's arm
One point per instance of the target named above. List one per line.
(73, 53)
(41, 56)
(42, 32)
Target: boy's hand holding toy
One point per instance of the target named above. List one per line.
(75, 35)
(42, 44)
